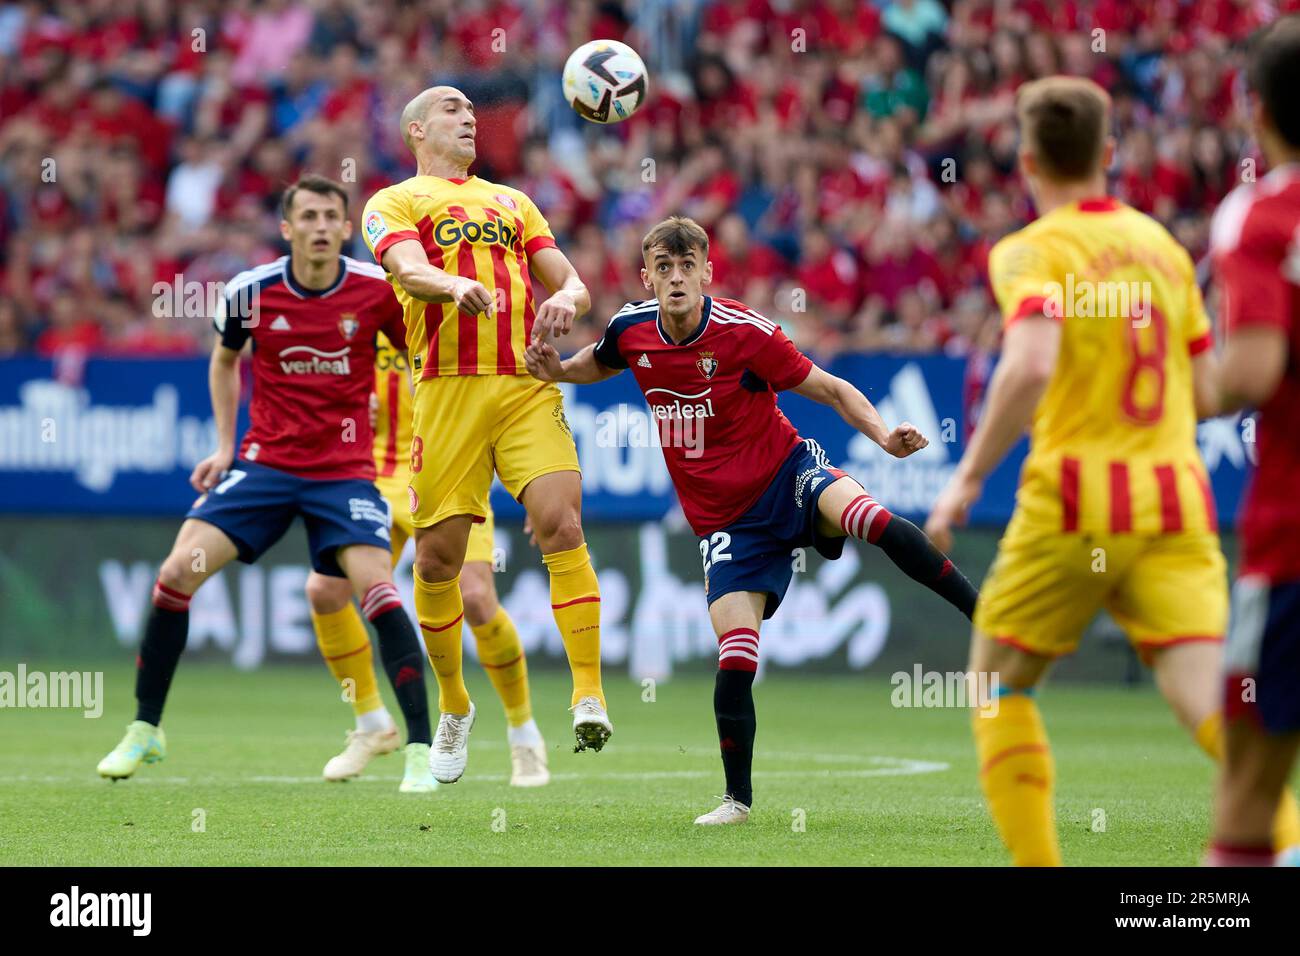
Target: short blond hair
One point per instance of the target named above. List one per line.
(1064, 121)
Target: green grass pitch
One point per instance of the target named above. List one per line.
(841, 777)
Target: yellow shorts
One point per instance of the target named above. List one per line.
(482, 539)
(466, 426)
(1045, 587)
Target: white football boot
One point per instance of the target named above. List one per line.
(450, 750)
(731, 811)
(360, 749)
(528, 766)
(591, 725)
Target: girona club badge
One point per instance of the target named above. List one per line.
(348, 325)
(707, 364)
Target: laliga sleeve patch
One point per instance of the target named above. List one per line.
(376, 228)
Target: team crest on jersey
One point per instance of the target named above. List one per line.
(707, 364)
(348, 325)
(505, 200)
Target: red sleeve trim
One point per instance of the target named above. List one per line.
(538, 242)
(1199, 344)
(382, 246)
(1033, 305)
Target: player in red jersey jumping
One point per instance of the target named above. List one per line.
(750, 486)
(312, 317)
(1256, 247)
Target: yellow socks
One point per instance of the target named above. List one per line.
(575, 602)
(1286, 825)
(1017, 776)
(439, 608)
(345, 645)
(502, 656)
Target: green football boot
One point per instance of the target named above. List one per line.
(143, 743)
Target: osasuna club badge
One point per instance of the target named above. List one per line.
(707, 364)
(348, 325)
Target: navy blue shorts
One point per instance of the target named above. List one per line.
(754, 553)
(1262, 654)
(254, 505)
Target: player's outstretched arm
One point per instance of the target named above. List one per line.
(857, 410)
(223, 385)
(410, 266)
(1029, 351)
(543, 362)
(569, 296)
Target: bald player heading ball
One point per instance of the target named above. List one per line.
(752, 489)
(459, 251)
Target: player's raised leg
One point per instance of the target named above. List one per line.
(845, 508)
(554, 505)
(369, 570)
(736, 617)
(1016, 770)
(439, 557)
(345, 646)
(200, 551)
(502, 656)
(1187, 674)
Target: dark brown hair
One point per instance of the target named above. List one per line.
(313, 184)
(1064, 121)
(678, 235)
(1274, 75)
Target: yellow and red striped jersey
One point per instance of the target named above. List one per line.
(470, 228)
(1113, 444)
(393, 429)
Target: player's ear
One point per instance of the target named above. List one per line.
(286, 231)
(1259, 118)
(645, 279)
(707, 275)
(1028, 164)
(1108, 153)
(347, 229)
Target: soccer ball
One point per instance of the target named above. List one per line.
(605, 81)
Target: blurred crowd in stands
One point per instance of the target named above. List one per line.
(853, 161)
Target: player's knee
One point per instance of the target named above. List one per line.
(433, 565)
(327, 595)
(478, 593)
(479, 598)
(178, 573)
(558, 529)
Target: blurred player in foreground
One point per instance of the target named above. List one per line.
(1107, 351)
(1256, 244)
(458, 250)
(313, 317)
(751, 488)
(342, 637)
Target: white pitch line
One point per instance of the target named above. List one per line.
(892, 767)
